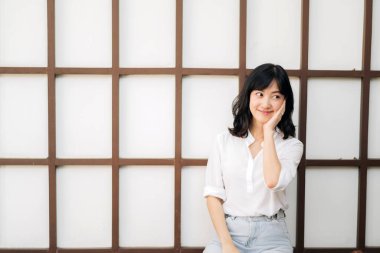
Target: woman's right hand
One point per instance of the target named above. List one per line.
(229, 248)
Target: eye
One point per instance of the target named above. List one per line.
(276, 97)
(259, 94)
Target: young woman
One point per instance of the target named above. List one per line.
(251, 165)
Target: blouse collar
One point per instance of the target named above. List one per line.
(250, 139)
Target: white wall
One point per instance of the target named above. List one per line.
(147, 115)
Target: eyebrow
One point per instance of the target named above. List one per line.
(273, 92)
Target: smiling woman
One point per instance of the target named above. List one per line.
(251, 166)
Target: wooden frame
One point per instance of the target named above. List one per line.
(366, 74)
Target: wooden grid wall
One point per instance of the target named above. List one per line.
(366, 74)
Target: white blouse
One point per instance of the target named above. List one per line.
(235, 177)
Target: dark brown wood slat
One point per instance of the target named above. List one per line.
(24, 250)
(372, 250)
(23, 161)
(300, 219)
(23, 70)
(146, 162)
(194, 162)
(329, 250)
(210, 71)
(52, 127)
(374, 74)
(178, 126)
(364, 117)
(335, 73)
(115, 125)
(83, 71)
(242, 43)
(147, 71)
(147, 250)
(331, 163)
(192, 250)
(62, 162)
(85, 251)
(373, 163)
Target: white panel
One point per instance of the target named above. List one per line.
(374, 120)
(23, 116)
(196, 224)
(336, 34)
(147, 108)
(146, 206)
(84, 207)
(291, 213)
(274, 32)
(24, 207)
(206, 111)
(331, 199)
(333, 119)
(23, 33)
(211, 33)
(84, 116)
(83, 30)
(147, 33)
(295, 83)
(375, 58)
(373, 208)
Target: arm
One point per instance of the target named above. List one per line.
(215, 209)
(271, 163)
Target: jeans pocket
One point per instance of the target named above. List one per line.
(239, 229)
(284, 226)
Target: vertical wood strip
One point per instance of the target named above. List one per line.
(364, 118)
(115, 125)
(300, 222)
(51, 126)
(178, 126)
(242, 43)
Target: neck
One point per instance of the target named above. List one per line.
(257, 131)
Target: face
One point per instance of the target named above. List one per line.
(263, 104)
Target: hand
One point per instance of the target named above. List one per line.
(272, 122)
(229, 248)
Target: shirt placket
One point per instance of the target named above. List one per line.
(249, 178)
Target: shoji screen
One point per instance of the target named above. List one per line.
(108, 110)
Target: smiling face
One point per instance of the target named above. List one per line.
(264, 103)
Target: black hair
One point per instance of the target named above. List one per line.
(259, 79)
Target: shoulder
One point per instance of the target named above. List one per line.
(225, 138)
(290, 143)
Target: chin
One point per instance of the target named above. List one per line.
(261, 121)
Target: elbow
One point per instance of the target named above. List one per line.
(271, 184)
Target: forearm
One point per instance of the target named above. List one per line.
(271, 163)
(215, 209)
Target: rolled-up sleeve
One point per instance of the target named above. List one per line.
(214, 185)
(290, 156)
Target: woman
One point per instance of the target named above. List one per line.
(251, 165)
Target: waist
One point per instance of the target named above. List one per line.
(278, 216)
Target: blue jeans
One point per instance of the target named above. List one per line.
(255, 235)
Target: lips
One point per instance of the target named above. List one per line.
(265, 112)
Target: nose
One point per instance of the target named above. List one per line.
(266, 102)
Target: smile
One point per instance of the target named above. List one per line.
(265, 112)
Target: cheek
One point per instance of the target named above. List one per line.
(277, 105)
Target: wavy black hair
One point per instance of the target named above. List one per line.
(259, 79)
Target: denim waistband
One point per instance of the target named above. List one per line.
(279, 215)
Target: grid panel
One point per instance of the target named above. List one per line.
(303, 73)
